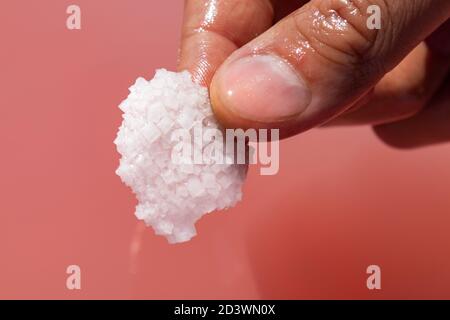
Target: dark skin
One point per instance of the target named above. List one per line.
(395, 79)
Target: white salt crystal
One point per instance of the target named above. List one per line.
(208, 179)
(165, 124)
(150, 132)
(215, 192)
(155, 111)
(186, 120)
(224, 180)
(194, 186)
(172, 197)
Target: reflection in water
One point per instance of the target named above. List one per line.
(136, 247)
(213, 265)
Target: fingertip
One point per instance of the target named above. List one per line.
(212, 30)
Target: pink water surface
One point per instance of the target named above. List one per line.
(341, 201)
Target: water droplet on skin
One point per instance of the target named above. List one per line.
(331, 22)
(211, 12)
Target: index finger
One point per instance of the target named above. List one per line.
(213, 29)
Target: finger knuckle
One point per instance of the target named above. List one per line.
(338, 30)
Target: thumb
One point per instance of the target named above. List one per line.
(318, 61)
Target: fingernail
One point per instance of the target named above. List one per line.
(262, 88)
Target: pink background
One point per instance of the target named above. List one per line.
(341, 201)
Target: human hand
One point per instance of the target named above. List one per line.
(320, 64)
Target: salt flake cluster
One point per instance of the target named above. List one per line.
(171, 197)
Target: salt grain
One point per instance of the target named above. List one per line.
(172, 197)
